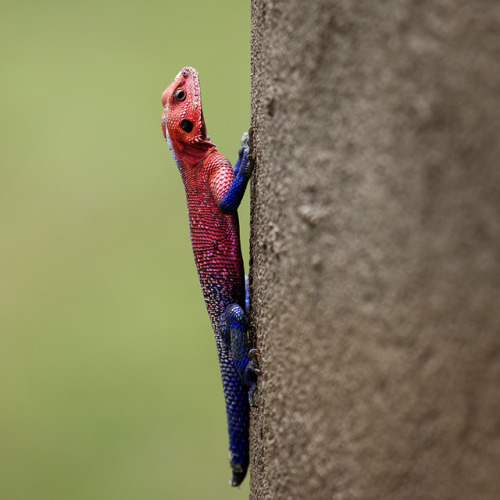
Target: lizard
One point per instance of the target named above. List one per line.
(213, 192)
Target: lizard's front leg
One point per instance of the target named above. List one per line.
(242, 173)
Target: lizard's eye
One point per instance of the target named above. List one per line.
(180, 95)
(187, 126)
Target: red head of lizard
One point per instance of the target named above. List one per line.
(182, 120)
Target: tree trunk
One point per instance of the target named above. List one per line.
(376, 249)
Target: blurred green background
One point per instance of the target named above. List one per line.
(109, 382)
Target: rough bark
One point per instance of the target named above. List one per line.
(376, 249)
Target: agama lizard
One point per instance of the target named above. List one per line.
(214, 191)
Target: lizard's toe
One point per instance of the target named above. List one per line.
(245, 138)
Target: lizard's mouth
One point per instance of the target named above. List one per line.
(191, 77)
(203, 129)
(194, 84)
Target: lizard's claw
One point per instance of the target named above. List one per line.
(254, 355)
(251, 399)
(252, 372)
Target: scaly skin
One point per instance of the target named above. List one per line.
(213, 192)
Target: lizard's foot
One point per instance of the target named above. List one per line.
(252, 372)
(247, 140)
(251, 391)
(254, 356)
(242, 172)
(246, 152)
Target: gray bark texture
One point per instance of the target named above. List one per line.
(375, 249)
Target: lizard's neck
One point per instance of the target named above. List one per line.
(189, 155)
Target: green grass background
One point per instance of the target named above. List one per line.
(109, 382)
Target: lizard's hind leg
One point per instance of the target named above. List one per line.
(237, 325)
